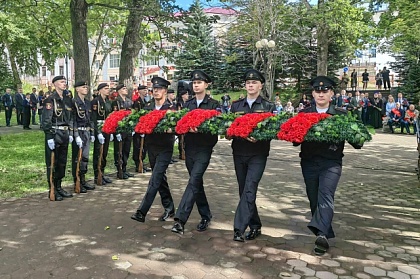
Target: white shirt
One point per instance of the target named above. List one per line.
(321, 110)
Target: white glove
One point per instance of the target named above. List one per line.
(70, 139)
(142, 135)
(92, 138)
(79, 142)
(111, 137)
(51, 144)
(132, 133)
(118, 137)
(101, 138)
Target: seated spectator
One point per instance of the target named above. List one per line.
(289, 108)
(411, 116)
(390, 105)
(279, 106)
(301, 107)
(396, 118)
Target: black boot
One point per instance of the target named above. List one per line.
(85, 184)
(57, 196)
(61, 191)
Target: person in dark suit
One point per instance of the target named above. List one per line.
(160, 148)
(19, 97)
(198, 150)
(403, 101)
(26, 112)
(34, 102)
(8, 104)
(321, 165)
(250, 158)
(396, 118)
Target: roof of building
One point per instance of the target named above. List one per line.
(219, 11)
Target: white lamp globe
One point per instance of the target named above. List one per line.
(271, 44)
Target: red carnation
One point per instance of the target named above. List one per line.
(147, 123)
(111, 122)
(194, 119)
(296, 128)
(244, 125)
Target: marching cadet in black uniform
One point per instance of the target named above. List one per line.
(139, 104)
(101, 108)
(250, 158)
(57, 120)
(160, 148)
(198, 150)
(121, 102)
(321, 165)
(83, 134)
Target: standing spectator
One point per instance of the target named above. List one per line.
(403, 101)
(225, 103)
(366, 109)
(34, 102)
(171, 97)
(378, 79)
(376, 112)
(384, 101)
(49, 91)
(19, 97)
(344, 81)
(26, 113)
(353, 80)
(365, 79)
(249, 158)
(356, 105)
(389, 105)
(40, 106)
(8, 104)
(385, 78)
(411, 117)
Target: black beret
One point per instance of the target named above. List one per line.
(200, 75)
(102, 85)
(58, 78)
(254, 75)
(80, 83)
(171, 91)
(159, 82)
(141, 87)
(183, 92)
(119, 86)
(322, 83)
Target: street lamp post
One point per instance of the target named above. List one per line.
(265, 49)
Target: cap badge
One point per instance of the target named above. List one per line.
(321, 83)
(196, 75)
(251, 75)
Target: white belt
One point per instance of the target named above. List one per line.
(100, 121)
(83, 128)
(64, 128)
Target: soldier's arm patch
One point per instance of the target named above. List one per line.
(48, 106)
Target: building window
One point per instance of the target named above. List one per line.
(153, 61)
(52, 72)
(114, 60)
(97, 64)
(112, 78)
(61, 71)
(44, 71)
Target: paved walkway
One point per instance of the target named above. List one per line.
(377, 223)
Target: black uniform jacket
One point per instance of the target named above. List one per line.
(243, 146)
(160, 139)
(57, 112)
(333, 151)
(81, 115)
(199, 139)
(100, 110)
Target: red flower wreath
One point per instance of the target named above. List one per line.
(244, 125)
(147, 123)
(296, 128)
(194, 119)
(111, 122)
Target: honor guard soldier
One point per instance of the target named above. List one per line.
(321, 165)
(198, 150)
(57, 122)
(122, 151)
(83, 134)
(101, 108)
(159, 148)
(250, 158)
(139, 104)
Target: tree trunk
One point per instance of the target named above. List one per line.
(322, 45)
(131, 46)
(15, 71)
(78, 15)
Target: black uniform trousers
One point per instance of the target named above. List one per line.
(126, 146)
(249, 170)
(61, 140)
(26, 117)
(19, 114)
(8, 113)
(136, 149)
(321, 177)
(197, 160)
(96, 153)
(159, 157)
(85, 136)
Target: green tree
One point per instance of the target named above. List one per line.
(198, 45)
